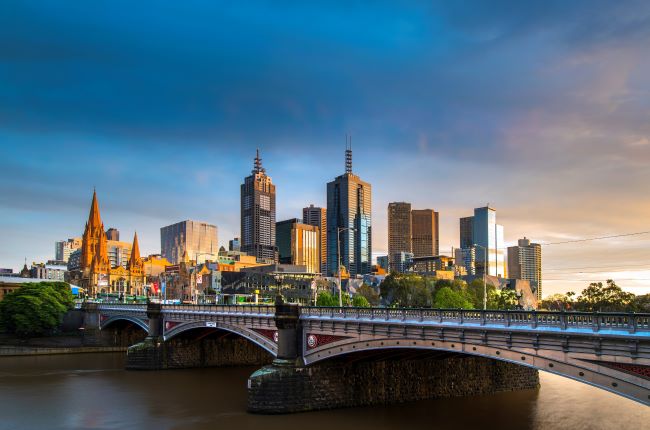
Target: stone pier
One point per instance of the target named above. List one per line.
(284, 388)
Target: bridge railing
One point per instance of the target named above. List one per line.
(596, 321)
(221, 309)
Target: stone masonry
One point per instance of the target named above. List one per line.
(278, 388)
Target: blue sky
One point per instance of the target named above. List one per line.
(541, 109)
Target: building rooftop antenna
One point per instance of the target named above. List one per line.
(348, 154)
(257, 164)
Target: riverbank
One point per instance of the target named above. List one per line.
(10, 351)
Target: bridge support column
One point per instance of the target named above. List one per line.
(340, 384)
(150, 354)
(90, 326)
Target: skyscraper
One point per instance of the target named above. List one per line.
(399, 234)
(258, 214)
(196, 239)
(63, 248)
(318, 217)
(113, 234)
(298, 244)
(525, 262)
(349, 219)
(425, 233)
(486, 235)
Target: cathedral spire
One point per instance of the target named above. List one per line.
(94, 219)
(135, 252)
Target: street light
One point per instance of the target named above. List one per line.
(485, 252)
(338, 246)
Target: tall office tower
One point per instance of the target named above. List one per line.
(234, 245)
(525, 262)
(197, 240)
(466, 232)
(486, 235)
(258, 214)
(318, 217)
(399, 234)
(113, 234)
(64, 248)
(349, 220)
(425, 232)
(298, 244)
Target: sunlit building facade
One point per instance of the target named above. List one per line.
(487, 239)
(198, 240)
(317, 217)
(525, 262)
(298, 244)
(399, 234)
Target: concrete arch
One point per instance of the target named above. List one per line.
(116, 318)
(245, 333)
(609, 379)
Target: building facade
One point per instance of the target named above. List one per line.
(195, 238)
(113, 234)
(234, 245)
(258, 214)
(318, 218)
(525, 262)
(487, 239)
(399, 234)
(96, 274)
(63, 248)
(298, 244)
(349, 222)
(425, 233)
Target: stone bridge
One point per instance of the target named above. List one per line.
(318, 353)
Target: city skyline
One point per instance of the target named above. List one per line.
(558, 142)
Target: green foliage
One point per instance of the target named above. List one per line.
(505, 299)
(406, 290)
(608, 298)
(360, 302)
(326, 298)
(447, 298)
(369, 293)
(557, 302)
(35, 309)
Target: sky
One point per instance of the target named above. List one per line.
(541, 109)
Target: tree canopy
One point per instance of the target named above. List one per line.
(36, 308)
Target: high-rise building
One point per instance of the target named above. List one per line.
(525, 262)
(298, 244)
(425, 233)
(399, 234)
(466, 232)
(113, 234)
(234, 245)
(194, 239)
(487, 237)
(63, 248)
(382, 261)
(318, 217)
(349, 222)
(258, 214)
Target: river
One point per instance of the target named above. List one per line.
(92, 391)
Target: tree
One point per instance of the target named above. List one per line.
(446, 298)
(605, 298)
(506, 299)
(325, 298)
(558, 302)
(369, 294)
(405, 290)
(360, 302)
(476, 291)
(35, 309)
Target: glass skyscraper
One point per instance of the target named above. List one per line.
(349, 216)
(486, 235)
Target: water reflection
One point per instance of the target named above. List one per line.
(91, 391)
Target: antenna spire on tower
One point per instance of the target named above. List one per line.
(348, 154)
(257, 164)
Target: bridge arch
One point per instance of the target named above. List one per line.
(590, 372)
(113, 319)
(245, 333)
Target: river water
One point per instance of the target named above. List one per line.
(92, 391)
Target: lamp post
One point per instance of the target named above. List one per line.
(485, 252)
(338, 246)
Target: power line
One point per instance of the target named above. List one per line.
(598, 267)
(597, 238)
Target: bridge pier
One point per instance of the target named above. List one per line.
(280, 389)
